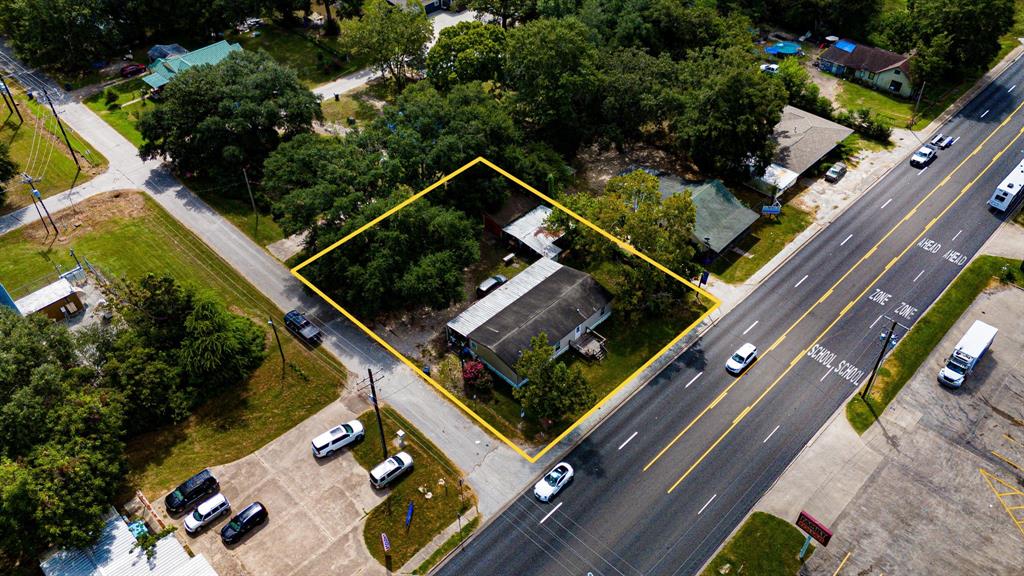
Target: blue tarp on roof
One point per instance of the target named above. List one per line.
(846, 46)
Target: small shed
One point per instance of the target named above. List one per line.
(58, 301)
(531, 231)
(112, 555)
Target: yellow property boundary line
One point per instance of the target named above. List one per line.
(715, 303)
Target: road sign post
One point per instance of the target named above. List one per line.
(814, 529)
(385, 542)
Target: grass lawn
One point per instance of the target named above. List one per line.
(432, 515)
(348, 106)
(926, 334)
(765, 545)
(142, 239)
(767, 237)
(231, 201)
(448, 546)
(37, 147)
(121, 115)
(314, 61)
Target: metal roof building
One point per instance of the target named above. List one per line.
(530, 231)
(112, 555)
(547, 297)
(165, 69)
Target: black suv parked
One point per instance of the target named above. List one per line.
(191, 491)
(298, 325)
(253, 515)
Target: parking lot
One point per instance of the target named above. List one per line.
(941, 499)
(316, 507)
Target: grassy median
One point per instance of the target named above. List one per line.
(926, 334)
(765, 545)
(432, 487)
(127, 234)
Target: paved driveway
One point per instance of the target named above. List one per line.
(316, 507)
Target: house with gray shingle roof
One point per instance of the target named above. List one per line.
(887, 71)
(802, 139)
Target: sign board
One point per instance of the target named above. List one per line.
(770, 210)
(704, 277)
(813, 528)
(408, 514)
(387, 543)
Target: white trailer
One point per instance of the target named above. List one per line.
(1007, 191)
(968, 351)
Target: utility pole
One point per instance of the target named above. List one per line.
(278, 338)
(12, 105)
(253, 200)
(61, 126)
(376, 408)
(919, 94)
(41, 220)
(887, 340)
(37, 196)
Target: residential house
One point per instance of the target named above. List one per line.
(882, 69)
(721, 217)
(803, 139)
(164, 69)
(531, 232)
(563, 303)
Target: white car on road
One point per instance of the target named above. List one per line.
(743, 357)
(923, 157)
(553, 482)
(337, 438)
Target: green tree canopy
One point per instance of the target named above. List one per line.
(65, 34)
(553, 391)
(552, 67)
(391, 38)
(217, 120)
(508, 12)
(466, 52)
(8, 169)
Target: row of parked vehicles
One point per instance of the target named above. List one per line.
(351, 432)
(204, 489)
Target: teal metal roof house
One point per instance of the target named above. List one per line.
(164, 69)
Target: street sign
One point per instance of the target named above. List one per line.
(704, 277)
(813, 528)
(408, 514)
(387, 543)
(771, 210)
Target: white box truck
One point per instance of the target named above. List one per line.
(968, 351)
(1008, 189)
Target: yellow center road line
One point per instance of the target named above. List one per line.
(843, 563)
(850, 271)
(821, 335)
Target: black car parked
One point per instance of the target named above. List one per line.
(298, 324)
(191, 492)
(253, 515)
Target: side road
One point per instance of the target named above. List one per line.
(464, 442)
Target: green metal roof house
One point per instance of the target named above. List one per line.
(721, 217)
(164, 69)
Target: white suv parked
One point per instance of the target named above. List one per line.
(337, 438)
(207, 512)
(387, 471)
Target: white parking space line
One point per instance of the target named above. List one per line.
(1011, 88)
(553, 510)
(823, 376)
(922, 170)
(918, 275)
(706, 504)
(631, 436)
(797, 285)
(770, 434)
(957, 234)
(886, 204)
(847, 240)
(751, 327)
(694, 379)
(954, 140)
(983, 114)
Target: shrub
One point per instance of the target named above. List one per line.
(476, 377)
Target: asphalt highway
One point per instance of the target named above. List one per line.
(665, 479)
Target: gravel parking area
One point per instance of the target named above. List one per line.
(951, 463)
(316, 507)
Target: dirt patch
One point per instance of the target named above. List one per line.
(89, 214)
(828, 85)
(595, 166)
